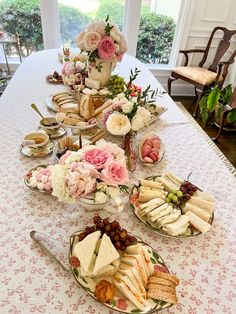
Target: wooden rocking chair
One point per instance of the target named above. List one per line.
(201, 77)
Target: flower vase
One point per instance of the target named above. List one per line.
(100, 70)
(129, 151)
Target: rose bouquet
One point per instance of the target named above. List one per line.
(95, 174)
(105, 45)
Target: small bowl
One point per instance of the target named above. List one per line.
(50, 128)
(161, 150)
(88, 203)
(40, 139)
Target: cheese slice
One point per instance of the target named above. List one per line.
(106, 254)
(84, 250)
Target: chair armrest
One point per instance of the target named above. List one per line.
(186, 52)
(220, 65)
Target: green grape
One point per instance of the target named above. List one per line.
(116, 84)
(179, 194)
(168, 200)
(174, 191)
(175, 198)
(170, 196)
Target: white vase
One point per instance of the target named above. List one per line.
(100, 70)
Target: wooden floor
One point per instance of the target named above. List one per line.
(227, 141)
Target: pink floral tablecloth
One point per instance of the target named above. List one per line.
(32, 282)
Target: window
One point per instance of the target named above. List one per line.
(22, 17)
(156, 32)
(76, 14)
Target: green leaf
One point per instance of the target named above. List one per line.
(113, 302)
(76, 272)
(205, 117)
(153, 260)
(213, 99)
(107, 18)
(231, 118)
(136, 311)
(159, 302)
(203, 103)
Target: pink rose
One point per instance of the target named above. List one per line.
(82, 181)
(121, 304)
(97, 158)
(105, 116)
(115, 173)
(64, 157)
(119, 57)
(80, 40)
(68, 68)
(106, 48)
(91, 41)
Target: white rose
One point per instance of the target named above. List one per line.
(100, 197)
(117, 48)
(118, 124)
(91, 40)
(120, 96)
(97, 26)
(115, 36)
(127, 107)
(80, 40)
(140, 119)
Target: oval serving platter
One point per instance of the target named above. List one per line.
(191, 231)
(88, 284)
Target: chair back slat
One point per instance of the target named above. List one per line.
(221, 49)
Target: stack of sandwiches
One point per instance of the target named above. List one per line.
(172, 220)
(65, 102)
(162, 286)
(97, 255)
(133, 273)
(199, 210)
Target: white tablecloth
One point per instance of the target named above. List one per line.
(31, 282)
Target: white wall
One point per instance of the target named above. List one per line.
(202, 17)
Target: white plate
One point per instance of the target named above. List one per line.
(37, 152)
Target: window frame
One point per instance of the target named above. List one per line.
(132, 10)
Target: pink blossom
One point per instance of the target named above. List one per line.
(105, 116)
(82, 181)
(68, 68)
(115, 173)
(121, 304)
(64, 157)
(91, 41)
(119, 57)
(97, 157)
(106, 48)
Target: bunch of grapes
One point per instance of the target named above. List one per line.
(188, 188)
(119, 236)
(174, 197)
(116, 84)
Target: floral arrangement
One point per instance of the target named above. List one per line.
(130, 110)
(70, 69)
(102, 39)
(95, 170)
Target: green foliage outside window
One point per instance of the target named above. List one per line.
(23, 17)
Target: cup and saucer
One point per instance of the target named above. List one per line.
(36, 145)
(51, 127)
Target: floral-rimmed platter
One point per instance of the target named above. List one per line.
(119, 303)
(135, 207)
(50, 104)
(29, 175)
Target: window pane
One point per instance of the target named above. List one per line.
(76, 14)
(156, 30)
(22, 17)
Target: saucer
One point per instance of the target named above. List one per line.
(58, 133)
(37, 152)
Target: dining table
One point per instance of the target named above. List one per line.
(32, 281)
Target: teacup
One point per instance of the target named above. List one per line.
(36, 140)
(49, 129)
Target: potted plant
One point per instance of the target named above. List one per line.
(217, 100)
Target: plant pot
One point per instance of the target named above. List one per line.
(220, 109)
(100, 70)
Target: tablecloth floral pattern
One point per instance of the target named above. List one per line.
(32, 282)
